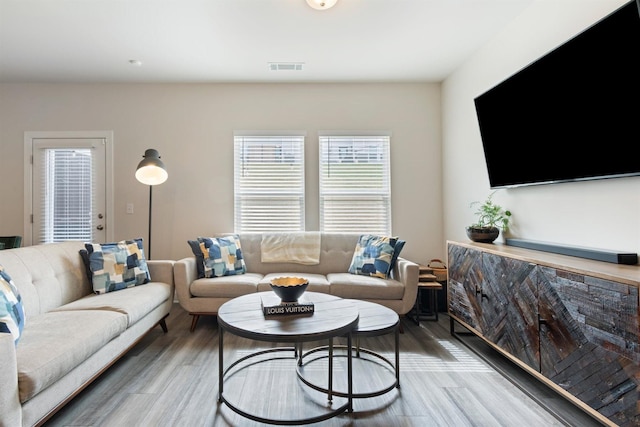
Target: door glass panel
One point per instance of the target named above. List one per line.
(68, 190)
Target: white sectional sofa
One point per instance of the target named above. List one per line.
(71, 335)
(204, 296)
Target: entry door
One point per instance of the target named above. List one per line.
(69, 189)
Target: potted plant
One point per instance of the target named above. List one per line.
(491, 218)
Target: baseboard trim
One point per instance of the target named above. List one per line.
(577, 251)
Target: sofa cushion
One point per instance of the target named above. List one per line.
(11, 310)
(55, 343)
(317, 282)
(226, 286)
(346, 285)
(373, 255)
(218, 256)
(116, 266)
(136, 303)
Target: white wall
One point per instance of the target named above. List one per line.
(192, 128)
(600, 214)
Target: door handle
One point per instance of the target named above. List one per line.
(482, 294)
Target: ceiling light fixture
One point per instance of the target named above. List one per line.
(321, 4)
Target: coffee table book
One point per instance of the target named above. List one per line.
(272, 306)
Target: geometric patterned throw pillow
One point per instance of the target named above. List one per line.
(116, 266)
(373, 255)
(11, 310)
(218, 256)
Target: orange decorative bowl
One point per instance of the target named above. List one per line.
(289, 289)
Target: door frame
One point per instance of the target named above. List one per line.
(29, 136)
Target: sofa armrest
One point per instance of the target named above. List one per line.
(10, 407)
(161, 271)
(407, 272)
(184, 273)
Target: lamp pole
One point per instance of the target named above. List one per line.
(150, 209)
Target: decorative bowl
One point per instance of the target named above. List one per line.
(483, 234)
(289, 289)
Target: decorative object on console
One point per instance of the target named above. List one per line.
(151, 171)
(289, 289)
(577, 251)
(491, 218)
(322, 4)
(483, 235)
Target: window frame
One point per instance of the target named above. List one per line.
(356, 200)
(292, 197)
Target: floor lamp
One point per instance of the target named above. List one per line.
(151, 171)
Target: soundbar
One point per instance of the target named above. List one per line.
(577, 251)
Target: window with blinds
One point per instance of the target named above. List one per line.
(355, 188)
(66, 181)
(269, 183)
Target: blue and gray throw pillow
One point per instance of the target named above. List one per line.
(374, 256)
(218, 256)
(12, 315)
(396, 253)
(116, 266)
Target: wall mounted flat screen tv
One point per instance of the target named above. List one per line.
(573, 114)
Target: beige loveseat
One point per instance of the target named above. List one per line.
(71, 335)
(204, 296)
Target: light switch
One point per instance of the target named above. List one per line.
(129, 208)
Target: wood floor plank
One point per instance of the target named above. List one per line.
(172, 380)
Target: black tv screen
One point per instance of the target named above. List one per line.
(573, 114)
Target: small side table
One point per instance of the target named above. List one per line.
(374, 320)
(427, 283)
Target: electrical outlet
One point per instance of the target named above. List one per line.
(129, 208)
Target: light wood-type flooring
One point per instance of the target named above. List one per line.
(172, 380)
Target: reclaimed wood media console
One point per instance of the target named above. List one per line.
(571, 322)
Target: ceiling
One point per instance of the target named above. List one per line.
(88, 41)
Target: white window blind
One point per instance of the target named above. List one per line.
(66, 206)
(269, 183)
(355, 188)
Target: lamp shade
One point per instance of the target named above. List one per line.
(151, 170)
(321, 4)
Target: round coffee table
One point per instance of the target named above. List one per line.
(374, 320)
(243, 316)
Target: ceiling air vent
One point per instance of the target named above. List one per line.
(286, 66)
